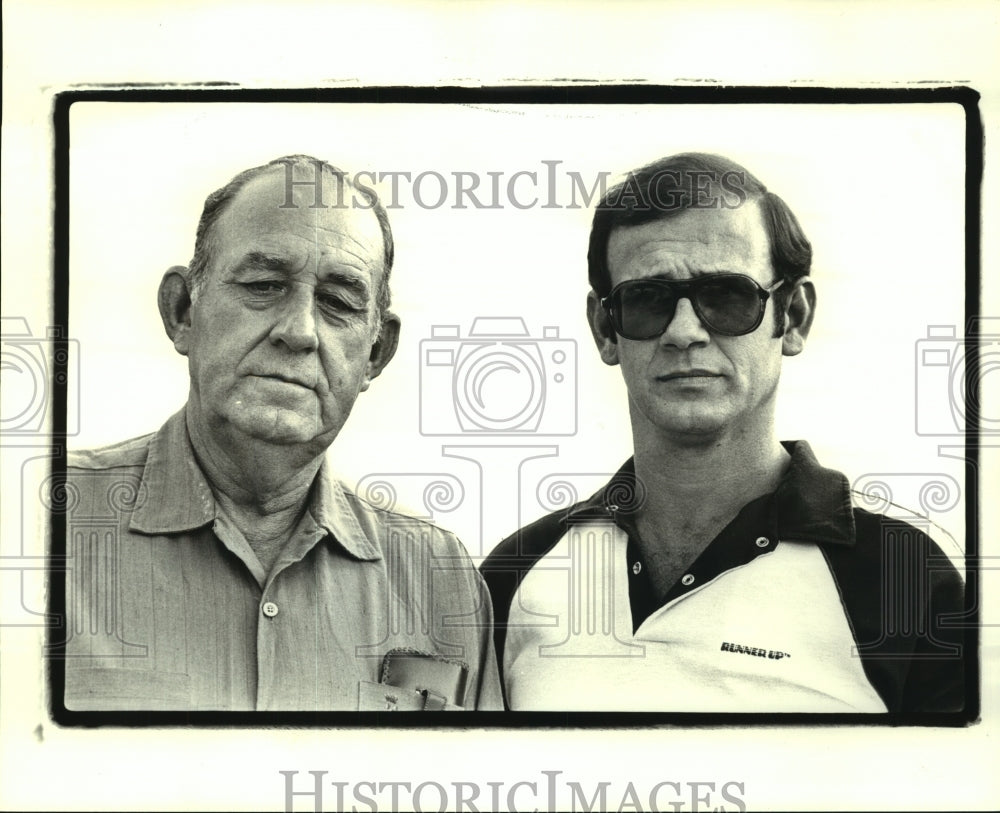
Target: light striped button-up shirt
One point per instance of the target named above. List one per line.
(168, 608)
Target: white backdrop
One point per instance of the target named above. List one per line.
(878, 188)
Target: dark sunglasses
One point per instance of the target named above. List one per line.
(727, 304)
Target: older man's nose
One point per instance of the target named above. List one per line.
(296, 325)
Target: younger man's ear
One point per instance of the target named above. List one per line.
(600, 326)
(174, 300)
(799, 312)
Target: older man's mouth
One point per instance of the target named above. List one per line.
(286, 379)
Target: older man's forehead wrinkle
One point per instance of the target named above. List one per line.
(363, 260)
(347, 236)
(321, 249)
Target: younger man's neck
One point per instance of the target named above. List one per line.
(721, 473)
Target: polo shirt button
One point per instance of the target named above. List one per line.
(637, 568)
(763, 541)
(687, 579)
(270, 609)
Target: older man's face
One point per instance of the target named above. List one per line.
(282, 330)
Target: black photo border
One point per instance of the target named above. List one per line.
(555, 95)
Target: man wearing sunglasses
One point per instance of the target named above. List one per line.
(720, 570)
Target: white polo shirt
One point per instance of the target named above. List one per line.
(790, 609)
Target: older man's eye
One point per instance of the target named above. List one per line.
(337, 304)
(263, 287)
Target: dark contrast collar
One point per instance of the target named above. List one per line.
(811, 503)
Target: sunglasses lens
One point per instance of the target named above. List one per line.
(728, 305)
(645, 309)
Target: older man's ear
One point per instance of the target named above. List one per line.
(383, 349)
(174, 301)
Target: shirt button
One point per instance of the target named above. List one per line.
(763, 542)
(637, 568)
(270, 609)
(687, 579)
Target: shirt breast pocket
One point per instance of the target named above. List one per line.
(384, 697)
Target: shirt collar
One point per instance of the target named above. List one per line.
(179, 499)
(811, 503)
(177, 494)
(332, 512)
